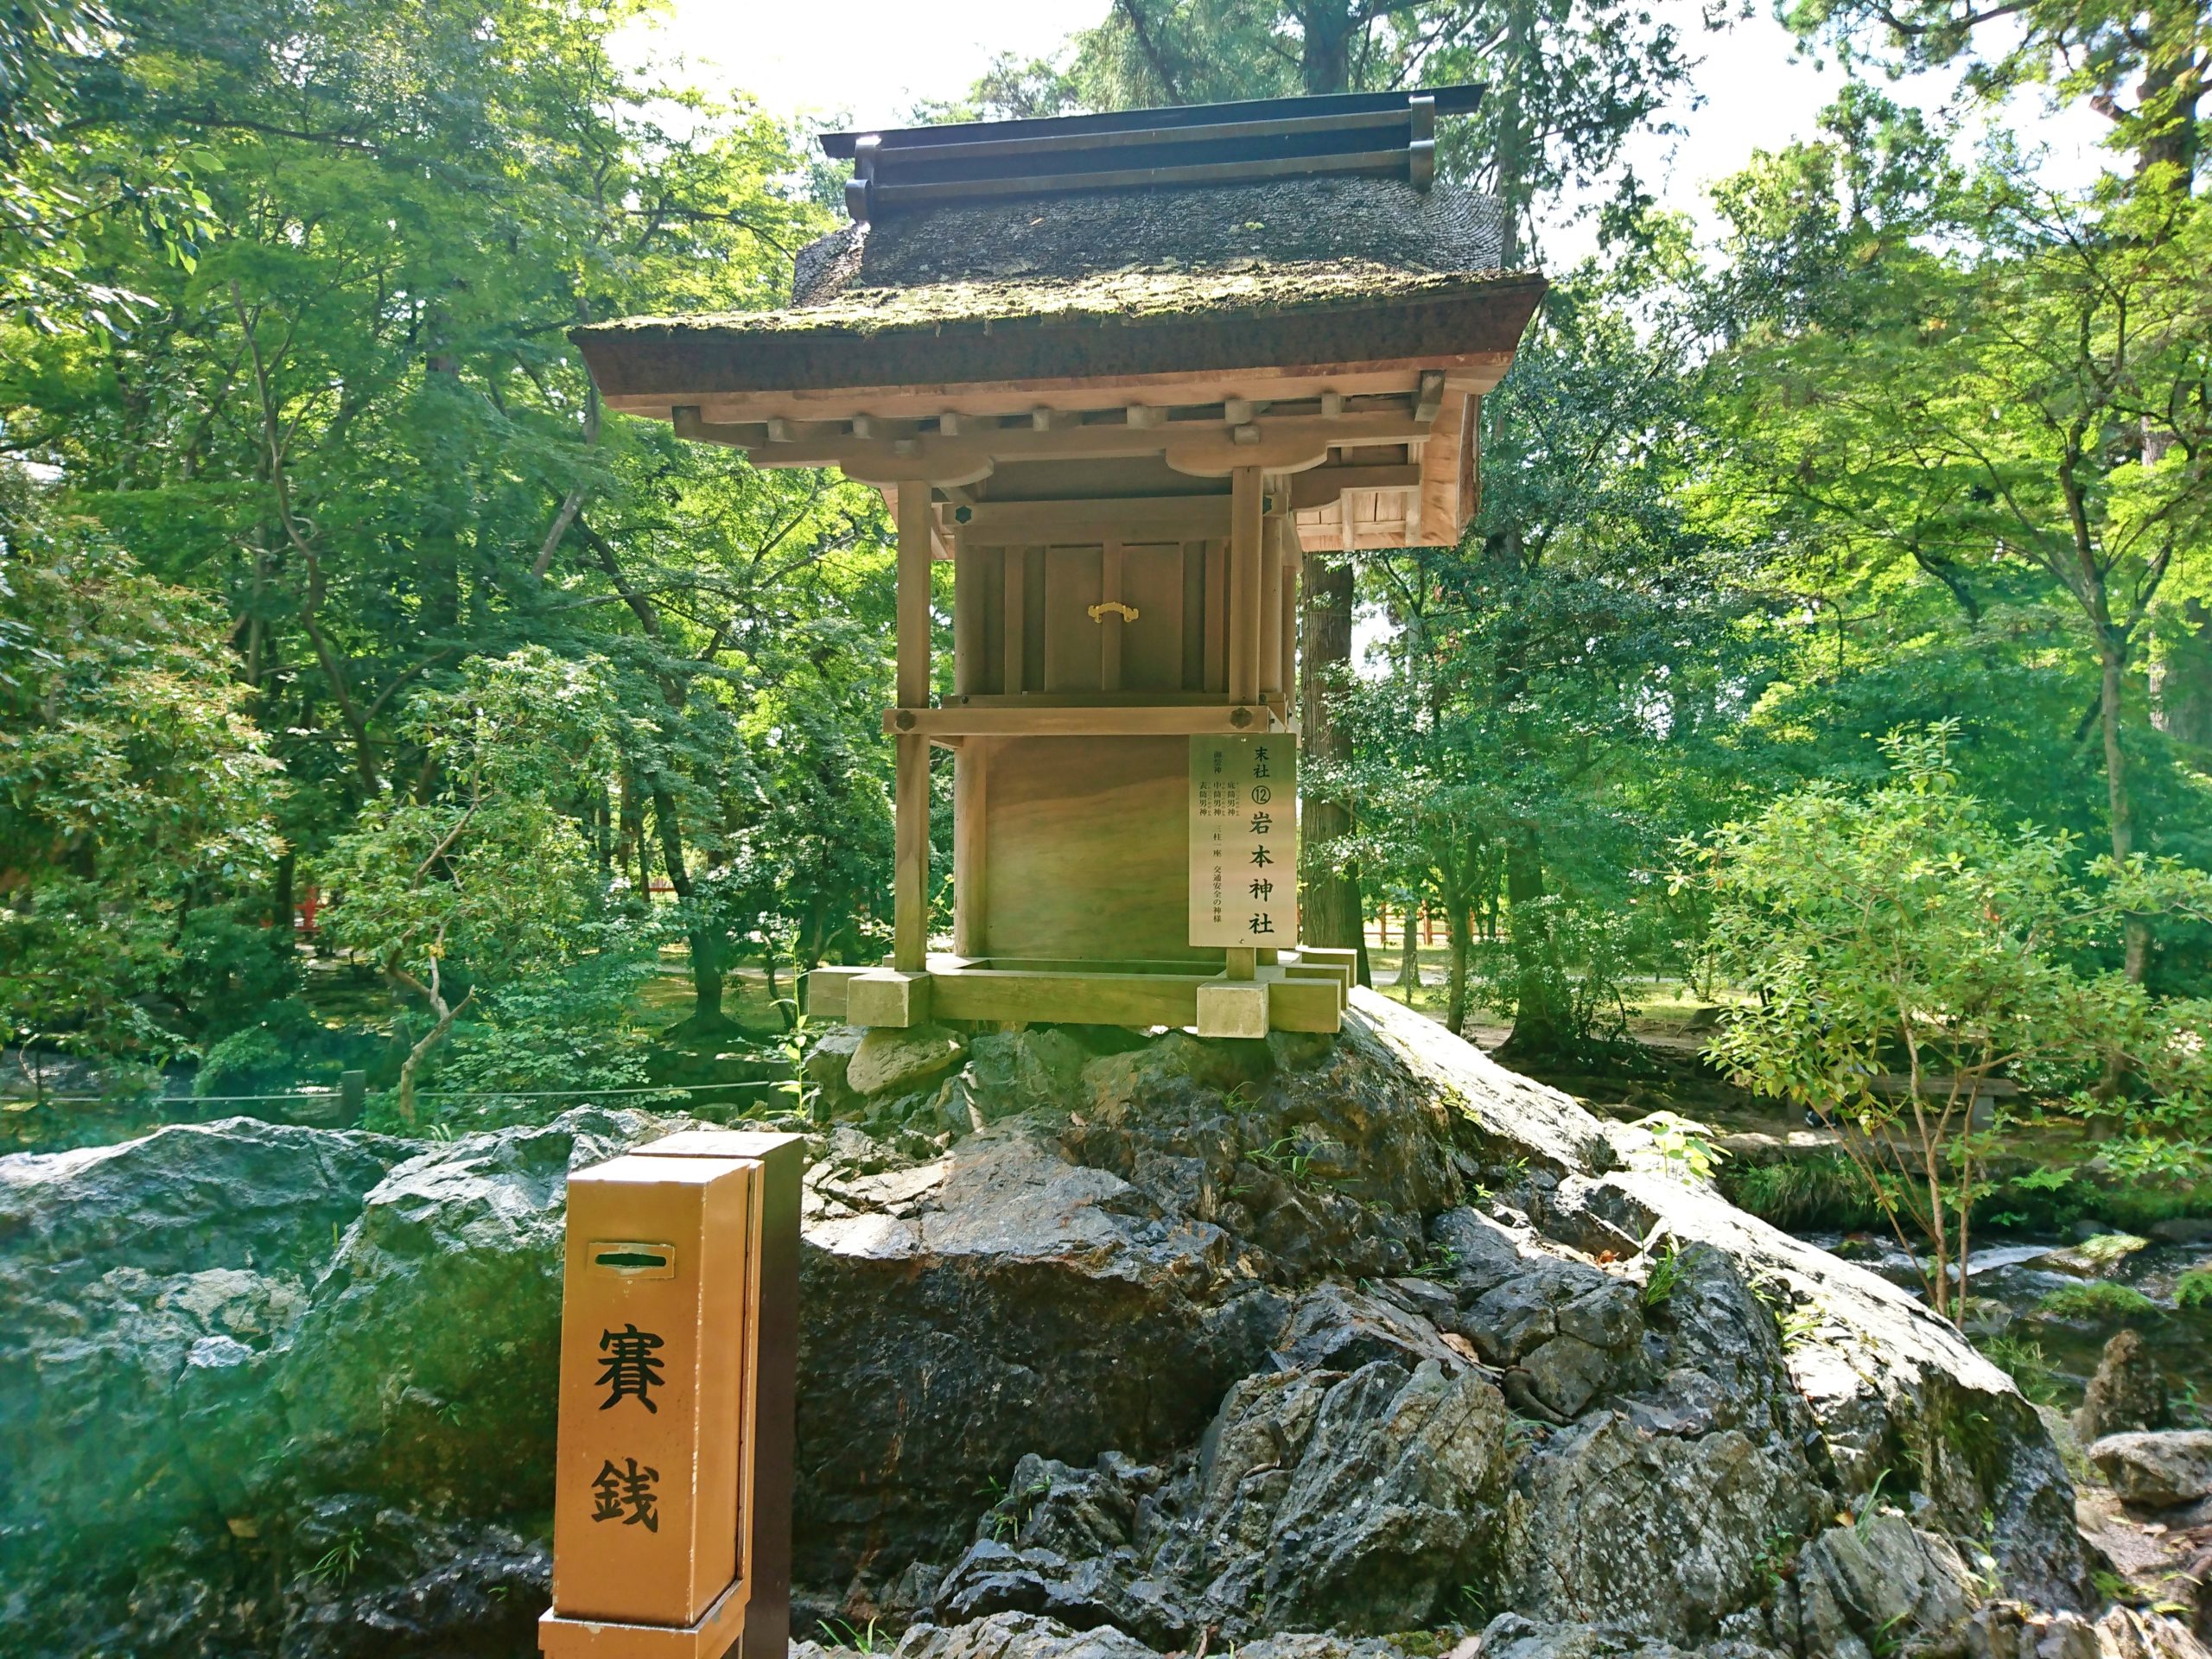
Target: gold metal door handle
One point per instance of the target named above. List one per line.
(1129, 613)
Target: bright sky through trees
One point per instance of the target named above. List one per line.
(889, 54)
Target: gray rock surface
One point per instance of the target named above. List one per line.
(2157, 1470)
(1881, 1584)
(886, 1061)
(2128, 1391)
(1253, 1340)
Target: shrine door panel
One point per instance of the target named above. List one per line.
(1073, 584)
(1088, 849)
(1151, 584)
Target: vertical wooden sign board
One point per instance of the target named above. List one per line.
(1245, 842)
(671, 1520)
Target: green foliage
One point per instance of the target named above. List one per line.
(1666, 1270)
(134, 781)
(1903, 950)
(1821, 1190)
(2096, 1298)
(286, 1048)
(2194, 1288)
(1537, 727)
(568, 1027)
(487, 877)
(348, 419)
(2022, 1359)
(1685, 1144)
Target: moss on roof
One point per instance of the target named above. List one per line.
(1251, 286)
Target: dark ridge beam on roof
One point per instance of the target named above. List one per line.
(1449, 100)
(1385, 134)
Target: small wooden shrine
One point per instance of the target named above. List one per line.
(1122, 371)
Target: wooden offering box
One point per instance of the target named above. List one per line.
(1127, 373)
(671, 1507)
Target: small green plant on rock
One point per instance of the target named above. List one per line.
(2099, 1299)
(1777, 1561)
(338, 1564)
(1685, 1143)
(2021, 1358)
(1665, 1269)
(842, 1633)
(2194, 1288)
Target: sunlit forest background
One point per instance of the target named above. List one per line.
(1822, 696)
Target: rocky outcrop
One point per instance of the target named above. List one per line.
(1112, 1345)
(275, 1389)
(2128, 1392)
(2157, 1471)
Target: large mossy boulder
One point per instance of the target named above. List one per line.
(1111, 1344)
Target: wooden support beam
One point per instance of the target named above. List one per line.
(970, 872)
(1134, 518)
(1324, 485)
(972, 567)
(1242, 963)
(1215, 619)
(1288, 444)
(1429, 397)
(1446, 491)
(1272, 561)
(1113, 992)
(910, 880)
(1245, 522)
(1096, 720)
(913, 635)
(1293, 561)
(911, 874)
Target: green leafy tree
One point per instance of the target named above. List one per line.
(1903, 951)
(2143, 68)
(81, 174)
(356, 424)
(2017, 420)
(489, 880)
(132, 781)
(1558, 693)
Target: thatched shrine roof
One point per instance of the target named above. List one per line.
(1114, 284)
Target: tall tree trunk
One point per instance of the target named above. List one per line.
(2167, 95)
(2112, 688)
(1331, 907)
(1457, 919)
(1543, 1023)
(2183, 710)
(1409, 952)
(706, 947)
